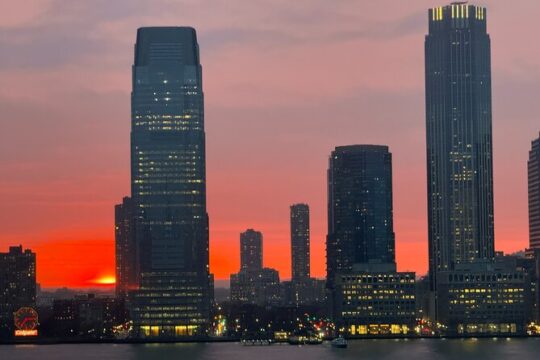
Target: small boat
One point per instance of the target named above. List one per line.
(314, 340)
(339, 342)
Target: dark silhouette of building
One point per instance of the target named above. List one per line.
(360, 215)
(87, 316)
(168, 186)
(125, 248)
(368, 296)
(300, 242)
(251, 251)
(459, 137)
(17, 286)
(533, 166)
(260, 287)
(254, 284)
(302, 289)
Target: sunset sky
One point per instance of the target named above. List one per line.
(284, 81)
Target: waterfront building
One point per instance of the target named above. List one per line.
(309, 291)
(300, 261)
(251, 250)
(168, 186)
(460, 169)
(86, 316)
(259, 287)
(533, 167)
(491, 298)
(367, 295)
(459, 138)
(360, 214)
(125, 248)
(254, 284)
(17, 286)
(376, 303)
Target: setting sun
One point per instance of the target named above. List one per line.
(104, 280)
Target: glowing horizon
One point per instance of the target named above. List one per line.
(281, 91)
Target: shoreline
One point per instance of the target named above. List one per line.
(55, 341)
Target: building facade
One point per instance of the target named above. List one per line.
(251, 250)
(260, 287)
(533, 167)
(17, 286)
(168, 185)
(254, 284)
(485, 299)
(125, 248)
(367, 295)
(300, 242)
(360, 214)
(376, 304)
(459, 137)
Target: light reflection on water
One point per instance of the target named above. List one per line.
(420, 349)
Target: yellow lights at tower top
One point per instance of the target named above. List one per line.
(458, 10)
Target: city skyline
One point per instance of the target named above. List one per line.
(91, 231)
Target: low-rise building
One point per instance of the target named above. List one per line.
(260, 287)
(484, 298)
(375, 303)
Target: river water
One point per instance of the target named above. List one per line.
(417, 349)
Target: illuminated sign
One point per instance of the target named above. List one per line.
(26, 322)
(26, 332)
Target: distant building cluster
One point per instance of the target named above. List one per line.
(164, 286)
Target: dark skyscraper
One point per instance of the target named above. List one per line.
(300, 242)
(125, 248)
(534, 195)
(17, 285)
(251, 250)
(168, 184)
(459, 139)
(360, 215)
(367, 296)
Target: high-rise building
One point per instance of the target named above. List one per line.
(251, 251)
(360, 215)
(367, 295)
(534, 194)
(168, 185)
(254, 284)
(300, 242)
(17, 286)
(125, 248)
(459, 138)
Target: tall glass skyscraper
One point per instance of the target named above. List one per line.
(459, 139)
(360, 213)
(300, 242)
(534, 194)
(168, 184)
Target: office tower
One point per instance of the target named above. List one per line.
(300, 242)
(534, 194)
(459, 139)
(368, 296)
(251, 251)
(168, 185)
(125, 248)
(17, 286)
(462, 264)
(360, 215)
